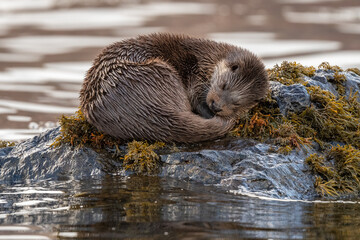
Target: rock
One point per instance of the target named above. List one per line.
(352, 84)
(240, 165)
(323, 76)
(34, 159)
(293, 98)
(323, 85)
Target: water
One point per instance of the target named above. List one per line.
(46, 46)
(156, 208)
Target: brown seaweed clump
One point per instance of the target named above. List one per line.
(77, 132)
(354, 70)
(141, 158)
(338, 170)
(4, 144)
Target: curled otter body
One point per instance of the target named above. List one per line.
(171, 88)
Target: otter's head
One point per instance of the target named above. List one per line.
(238, 83)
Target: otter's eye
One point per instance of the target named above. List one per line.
(234, 67)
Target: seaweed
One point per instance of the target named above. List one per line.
(329, 118)
(327, 67)
(339, 78)
(4, 144)
(337, 170)
(141, 158)
(77, 132)
(354, 70)
(289, 73)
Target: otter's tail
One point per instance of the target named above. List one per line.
(144, 101)
(190, 127)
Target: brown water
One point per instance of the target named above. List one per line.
(158, 208)
(47, 45)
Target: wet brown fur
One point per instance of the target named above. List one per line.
(171, 88)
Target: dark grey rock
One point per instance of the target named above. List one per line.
(323, 75)
(243, 166)
(293, 98)
(275, 88)
(320, 78)
(34, 159)
(352, 84)
(323, 85)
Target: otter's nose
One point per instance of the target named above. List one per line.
(214, 107)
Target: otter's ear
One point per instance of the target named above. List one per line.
(234, 67)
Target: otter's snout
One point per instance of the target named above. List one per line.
(215, 107)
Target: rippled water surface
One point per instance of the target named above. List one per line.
(157, 208)
(46, 46)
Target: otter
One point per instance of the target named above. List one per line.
(171, 88)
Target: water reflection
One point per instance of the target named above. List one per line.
(152, 207)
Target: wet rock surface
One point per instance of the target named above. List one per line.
(35, 159)
(239, 165)
(244, 166)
